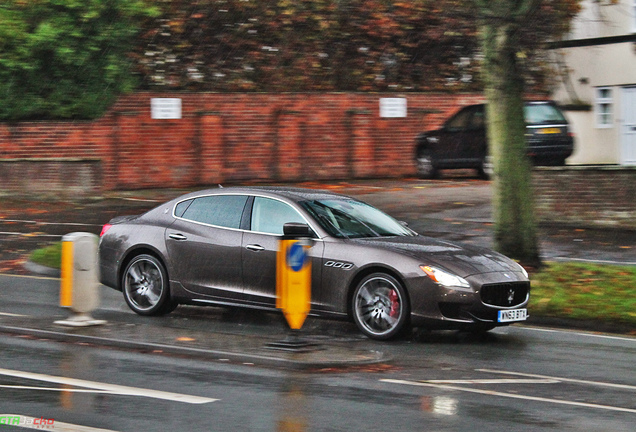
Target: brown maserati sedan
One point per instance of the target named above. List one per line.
(218, 247)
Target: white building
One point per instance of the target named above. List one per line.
(597, 65)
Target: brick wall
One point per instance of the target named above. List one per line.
(223, 138)
(586, 196)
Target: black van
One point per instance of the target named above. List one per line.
(461, 142)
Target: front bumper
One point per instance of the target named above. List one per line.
(445, 308)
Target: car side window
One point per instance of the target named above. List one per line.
(180, 208)
(219, 210)
(478, 120)
(269, 215)
(459, 122)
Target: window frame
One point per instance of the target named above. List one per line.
(604, 120)
(246, 215)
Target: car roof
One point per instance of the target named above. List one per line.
(292, 193)
(531, 102)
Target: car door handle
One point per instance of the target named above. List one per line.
(255, 247)
(177, 236)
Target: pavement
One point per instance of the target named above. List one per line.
(456, 209)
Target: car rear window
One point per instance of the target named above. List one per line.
(536, 114)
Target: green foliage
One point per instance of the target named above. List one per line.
(311, 45)
(331, 45)
(49, 256)
(603, 293)
(66, 58)
(71, 58)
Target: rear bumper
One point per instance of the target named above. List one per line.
(108, 268)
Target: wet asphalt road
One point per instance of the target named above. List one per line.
(515, 378)
(478, 393)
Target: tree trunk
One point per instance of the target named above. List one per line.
(513, 207)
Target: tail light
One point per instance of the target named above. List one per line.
(105, 228)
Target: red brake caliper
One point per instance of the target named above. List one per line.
(395, 304)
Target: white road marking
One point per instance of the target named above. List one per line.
(495, 381)
(28, 276)
(578, 333)
(559, 379)
(33, 423)
(113, 388)
(19, 387)
(28, 234)
(597, 261)
(509, 395)
(140, 200)
(11, 314)
(33, 222)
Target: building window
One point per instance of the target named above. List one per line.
(604, 107)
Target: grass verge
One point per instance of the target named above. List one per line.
(49, 256)
(592, 292)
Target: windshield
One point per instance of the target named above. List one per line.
(536, 114)
(347, 218)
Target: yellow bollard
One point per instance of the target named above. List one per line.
(293, 282)
(79, 286)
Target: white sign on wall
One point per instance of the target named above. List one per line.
(392, 107)
(165, 108)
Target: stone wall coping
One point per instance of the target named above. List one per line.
(608, 167)
(53, 159)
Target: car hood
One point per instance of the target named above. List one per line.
(462, 260)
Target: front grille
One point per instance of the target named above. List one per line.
(505, 294)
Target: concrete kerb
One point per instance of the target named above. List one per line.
(41, 270)
(323, 358)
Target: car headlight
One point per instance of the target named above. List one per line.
(444, 278)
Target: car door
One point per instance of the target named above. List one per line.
(451, 146)
(474, 140)
(204, 245)
(260, 246)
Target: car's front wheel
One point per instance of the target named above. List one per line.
(380, 306)
(145, 286)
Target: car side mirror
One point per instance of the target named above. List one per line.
(297, 230)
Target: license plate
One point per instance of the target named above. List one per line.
(549, 131)
(512, 315)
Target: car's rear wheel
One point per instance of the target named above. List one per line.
(380, 306)
(425, 167)
(146, 287)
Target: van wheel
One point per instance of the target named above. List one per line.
(425, 167)
(486, 170)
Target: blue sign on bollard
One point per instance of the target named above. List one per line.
(296, 257)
